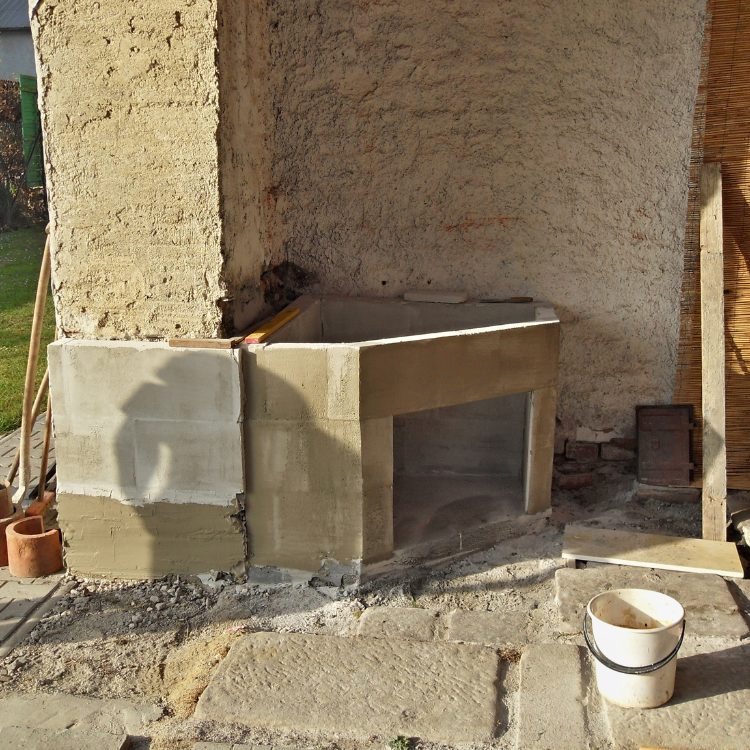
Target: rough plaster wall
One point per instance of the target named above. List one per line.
(245, 154)
(507, 148)
(129, 96)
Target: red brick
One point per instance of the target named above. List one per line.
(585, 453)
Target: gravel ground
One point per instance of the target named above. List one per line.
(160, 641)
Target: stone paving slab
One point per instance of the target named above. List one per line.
(33, 738)
(461, 626)
(407, 623)
(551, 695)
(709, 709)
(357, 687)
(62, 712)
(489, 628)
(710, 608)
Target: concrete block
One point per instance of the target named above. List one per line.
(188, 461)
(114, 539)
(299, 530)
(100, 459)
(551, 696)
(377, 524)
(407, 376)
(406, 623)
(709, 606)
(487, 628)
(440, 692)
(142, 421)
(304, 456)
(376, 446)
(98, 382)
(585, 453)
(343, 382)
(286, 383)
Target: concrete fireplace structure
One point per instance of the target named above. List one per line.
(362, 431)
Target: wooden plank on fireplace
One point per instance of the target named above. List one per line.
(540, 449)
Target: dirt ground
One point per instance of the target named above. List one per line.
(159, 642)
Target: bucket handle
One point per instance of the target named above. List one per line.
(602, 659)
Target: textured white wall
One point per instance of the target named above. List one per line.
(507, 148)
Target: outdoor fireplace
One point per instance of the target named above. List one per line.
(365, 433)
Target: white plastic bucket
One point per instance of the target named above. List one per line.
(636, 636)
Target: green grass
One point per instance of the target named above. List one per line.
(20, 258)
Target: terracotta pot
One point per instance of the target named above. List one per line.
(4, 523)
(32, 552)
(6, 504)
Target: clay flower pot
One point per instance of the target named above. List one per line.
(32, 552)
(4, 523)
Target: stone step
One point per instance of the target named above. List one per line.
(461, 626)
(710, 608)
(551, 713)
(34, 738)
(357, 687)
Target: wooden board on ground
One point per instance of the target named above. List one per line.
(651, 551)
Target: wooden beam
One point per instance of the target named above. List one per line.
(271, 326)
(540, 449)
(713, 356)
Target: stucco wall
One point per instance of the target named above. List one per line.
(129, 97)
(16, 55)
(507, 148)
(536, 148)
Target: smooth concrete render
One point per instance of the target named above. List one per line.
(107, 538)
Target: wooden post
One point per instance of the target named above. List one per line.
(540, 449)
(713, 356)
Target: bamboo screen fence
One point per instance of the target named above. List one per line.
(721, 133)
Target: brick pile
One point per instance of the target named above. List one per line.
(577, 463)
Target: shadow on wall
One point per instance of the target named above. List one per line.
(307, 495)
(174, 472)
